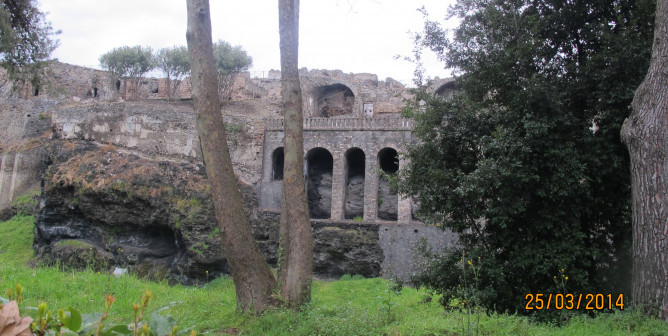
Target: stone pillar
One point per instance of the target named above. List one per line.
(6, 172)
(370, 188)
(404, 214)
(338, 185)
(15, 173)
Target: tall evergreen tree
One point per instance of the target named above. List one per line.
(26, 39)
(526, 162)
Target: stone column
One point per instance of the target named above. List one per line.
(404, 207)
(15, 173)
(6, 172)
(370, 187)
(338, 185)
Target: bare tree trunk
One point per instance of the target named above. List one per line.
(296, 238)
(645, 134)
(253, 279)
(225, 85)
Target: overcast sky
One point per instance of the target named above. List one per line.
(350, 35)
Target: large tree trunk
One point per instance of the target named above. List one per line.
(296, 239)
(253, 279)
(645, 133)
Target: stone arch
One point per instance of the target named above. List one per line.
(277, 159)
(333, 100)
(354, 170)
(387, 198)
(446, 90)
(319, 168)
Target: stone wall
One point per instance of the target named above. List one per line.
(84, 105)
(337, 136)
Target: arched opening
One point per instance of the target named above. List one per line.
(118, 85)
(387, 196)
(446, 90)
(277, 158)
(333, 100)
(36, 90)
(354, 188)
(94, 92)
(319, 182)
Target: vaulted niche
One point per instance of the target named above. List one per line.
(277, 158)
(354, 166)
(319, 164)
(387, 197)
(446, 90)
(333, 100)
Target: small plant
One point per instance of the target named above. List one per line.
(393, 289)
(358, 219)
(14, 294)
(70, 321)
(468, 298)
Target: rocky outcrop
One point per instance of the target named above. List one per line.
(346, 249)
(355, 197)
(387, 200)
(103, 207)
(151, 216)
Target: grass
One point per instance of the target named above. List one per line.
(350, 306)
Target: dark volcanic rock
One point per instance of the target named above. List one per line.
(102, 208)
(355, 197)
(346, 249)
(387, 200)
(154, 217)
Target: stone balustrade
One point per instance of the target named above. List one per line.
(387, 123)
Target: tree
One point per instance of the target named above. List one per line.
(296, 238)
(645, 134)
(526, 163)
(175, 64)
(230, 61)
(129, 63)
(252, 277)
(25, 40)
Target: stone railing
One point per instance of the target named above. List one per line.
(361, 124)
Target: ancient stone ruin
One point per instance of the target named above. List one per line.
(122, 179)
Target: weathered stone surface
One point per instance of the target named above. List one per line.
(151, 216)
(387, 201)
(346, 249)
(136, 200)
(355, 197)
(105, 207)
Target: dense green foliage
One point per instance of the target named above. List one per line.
(230, 59)
(175, 63)
(526, 163)
(128, 62)
(25, 39)
(350, 306)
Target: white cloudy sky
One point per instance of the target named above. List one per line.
(350, 35)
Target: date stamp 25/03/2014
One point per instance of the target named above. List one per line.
(586, 301)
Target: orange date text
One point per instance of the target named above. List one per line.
(585, 301)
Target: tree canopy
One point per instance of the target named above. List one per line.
(25, 37)
(174, 63)
(230, 59)
(128, 62)
(525, 162)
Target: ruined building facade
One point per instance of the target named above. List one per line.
(353, 137)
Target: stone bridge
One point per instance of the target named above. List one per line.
(347, 161)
